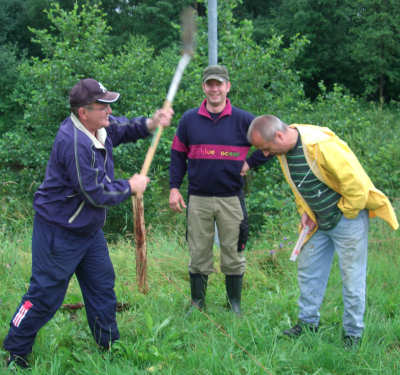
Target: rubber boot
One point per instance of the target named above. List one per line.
(234, 291)
(198, 287)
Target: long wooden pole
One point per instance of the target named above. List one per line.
(138, 214)
(137, 201)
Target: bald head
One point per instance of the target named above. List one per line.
(271, 135)
(266, 126)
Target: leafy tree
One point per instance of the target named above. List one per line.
(375, 46)
(16, 16)
(353, 43)
(156, 20)
(77, 45)
(260, 12)
(325, 23)
(8, 79)
(12, 22)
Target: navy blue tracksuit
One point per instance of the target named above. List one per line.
(61, 253)
(71, 206)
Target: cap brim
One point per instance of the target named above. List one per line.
(217, 78)
(109, 97)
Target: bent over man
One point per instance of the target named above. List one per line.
(70, 207)
(335, 198)
(211, 144)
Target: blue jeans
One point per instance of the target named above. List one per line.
(349, 238)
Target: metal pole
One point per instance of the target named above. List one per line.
(213, 53)
(212, 32)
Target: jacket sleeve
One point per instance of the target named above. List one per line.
(90, 179)
(343, 173)
(179, 155)
(123, 130)
(257, 158)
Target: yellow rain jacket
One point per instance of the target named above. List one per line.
(332, 162)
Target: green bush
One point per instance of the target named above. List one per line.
(263, 81)
(371, 132)
(8, 79)
(77, 46)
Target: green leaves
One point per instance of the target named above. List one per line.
(264, 80)
(375, 30)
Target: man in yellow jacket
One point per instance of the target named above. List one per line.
(335, 197)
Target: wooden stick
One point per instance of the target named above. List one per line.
(72, 306)
(140, 242)
(76, 306)
(138, 214)
(137, 201)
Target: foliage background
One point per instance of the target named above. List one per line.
(79, 43)
(283, 60)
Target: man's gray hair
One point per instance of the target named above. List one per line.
(266, 126)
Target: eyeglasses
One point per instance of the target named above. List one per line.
(105, 108)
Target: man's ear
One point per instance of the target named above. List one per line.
(82, 111)
(279, 137)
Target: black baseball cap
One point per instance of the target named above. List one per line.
(88, 91)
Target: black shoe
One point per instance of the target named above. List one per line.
(299, 328)
(351, 341)
(17, 360)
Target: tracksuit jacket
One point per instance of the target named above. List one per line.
(79, 183)
(332, 162)
(67, 237)
(213, 151)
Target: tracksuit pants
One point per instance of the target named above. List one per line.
(56, 255)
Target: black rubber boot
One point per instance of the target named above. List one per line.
(234, 291)
(198, 287)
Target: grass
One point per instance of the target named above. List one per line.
(157, 337)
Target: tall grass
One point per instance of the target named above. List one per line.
(158, 337)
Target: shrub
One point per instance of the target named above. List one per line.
(77, 46)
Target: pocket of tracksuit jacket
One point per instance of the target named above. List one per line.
(243, 227)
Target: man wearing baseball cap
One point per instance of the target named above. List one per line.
(70, 204)
(211, 144)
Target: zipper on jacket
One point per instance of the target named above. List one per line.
(77, 212)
